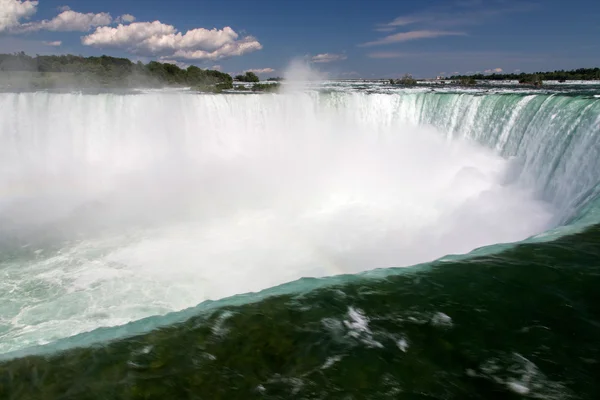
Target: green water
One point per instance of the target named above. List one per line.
(521, 324)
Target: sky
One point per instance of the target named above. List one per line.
(340, 38)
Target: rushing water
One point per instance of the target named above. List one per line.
(120, 211)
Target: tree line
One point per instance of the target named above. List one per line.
(109, 71)
(406, 80)
(581, 74)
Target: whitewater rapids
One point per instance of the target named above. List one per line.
(118, 207)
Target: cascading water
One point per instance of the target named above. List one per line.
(119, 207)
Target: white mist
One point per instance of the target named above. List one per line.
(160, 201)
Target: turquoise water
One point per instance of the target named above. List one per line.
(522, 324)
(94, 296)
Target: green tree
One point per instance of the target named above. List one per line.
(408, 80)
(247, 77)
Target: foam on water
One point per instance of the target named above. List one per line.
(127, 206)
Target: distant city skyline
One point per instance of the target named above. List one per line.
(349, 39)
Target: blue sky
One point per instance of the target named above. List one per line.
(368, 39)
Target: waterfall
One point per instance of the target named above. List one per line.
(118, 207)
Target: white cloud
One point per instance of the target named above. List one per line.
(153, 39)
(385, 29)
(125, 19)
(235, 48)
(68, 20)
(493, 71)
(261, 70)
(411, 35)
(135, 36)
(447, 18)
(156, 38)
(458, 13)
(13, 11)
(64, 8)
(402, 21)
(517, 70)
(328, 57)
(180, 64)
(54, 44)
(216, 67)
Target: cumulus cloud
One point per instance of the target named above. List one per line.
(216, 67)
(152, 39)
(411, 35)
(235, 48)
(156, 38)
(493, 71)
(68, 20)
(125, 19)
(147, 35)
(13, 11)
(261, 70)
(54, 44)
(328, 57)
